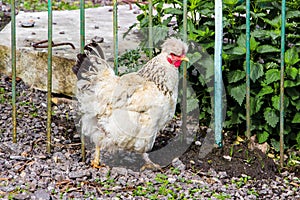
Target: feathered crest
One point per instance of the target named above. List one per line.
(175, 46)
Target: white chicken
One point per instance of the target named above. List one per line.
(126, 112)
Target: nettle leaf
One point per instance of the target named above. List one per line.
(256, 71)
(291, 56)
(296, 103)
(257, 14)
(174, 11)
(265, 90)
(271, 117)
(272, 75)
(238, 50)
(275, 22)
(292, 72)
(241, 41)
(298, 138)
(235, 76)
(275, 34)
(276, 102)
(271, 65)
(262, 137)
(192, 100)
(255, 104)
(253, 44)
(261, 34)
(296, 118)
(231, 2)
(267, 49)
(293, 93)
(275, 144)
(292, 14)
(159, 33)
(194, 57)
(289, 83)
(238, 93)
(192, 104)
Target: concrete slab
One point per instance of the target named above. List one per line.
(66, 28)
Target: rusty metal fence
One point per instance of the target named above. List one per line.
(217, 67)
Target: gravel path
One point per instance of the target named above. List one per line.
(28, 172)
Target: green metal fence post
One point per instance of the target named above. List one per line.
(184, 71)
(82, 44)
(49, 81)
(248, 123)
(82, 26)
(218, 72)
(13, 65)
(281, 120)
(115, 30)
(150, 34)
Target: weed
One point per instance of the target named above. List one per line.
(222, 196)
(241, 181)
(175, 171)
(252, 191)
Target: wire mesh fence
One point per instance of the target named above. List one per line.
(217, 64)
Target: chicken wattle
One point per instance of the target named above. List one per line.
(126, 112)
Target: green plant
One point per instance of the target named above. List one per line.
(241, 181)
(222, 196)
(132, 60)
(40, 5)
(2, 97)
(265, 61)
(252, 191)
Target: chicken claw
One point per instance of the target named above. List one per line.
(149, 164)
(96, 161)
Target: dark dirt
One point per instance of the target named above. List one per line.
(253, 163)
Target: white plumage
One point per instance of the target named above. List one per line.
(126, 112)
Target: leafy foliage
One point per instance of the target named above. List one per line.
(41, 5)
(265, 45)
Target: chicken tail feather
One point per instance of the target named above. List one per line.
(92, 59)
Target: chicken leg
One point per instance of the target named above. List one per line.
(149, 164)
(96, 161)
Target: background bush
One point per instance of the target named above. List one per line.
(265, 61)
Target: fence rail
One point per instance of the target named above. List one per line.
(217, 64)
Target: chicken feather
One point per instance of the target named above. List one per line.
(126, 112)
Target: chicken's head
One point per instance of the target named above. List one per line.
(175, 50)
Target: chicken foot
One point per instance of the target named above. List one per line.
(96, 161)
(149, 164)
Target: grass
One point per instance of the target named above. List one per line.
(241, 181)
(222, 196)
(2, 97)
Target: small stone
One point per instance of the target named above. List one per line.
(41, 194)
(79, 174)
(45, 174)
(119, 171)
(22, 196)
(222, 174)
(176, 163)
(58, 177)
(172, 180)
(192, 162)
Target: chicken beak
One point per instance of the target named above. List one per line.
(185, 59)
